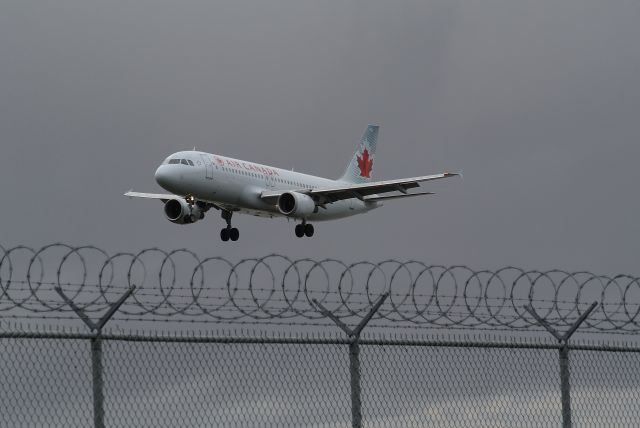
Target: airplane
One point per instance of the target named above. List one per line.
(200, 181)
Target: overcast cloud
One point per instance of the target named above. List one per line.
(537, 102)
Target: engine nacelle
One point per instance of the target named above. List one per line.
(180, 212)
(296, 204)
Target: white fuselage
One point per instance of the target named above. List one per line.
(237, 185)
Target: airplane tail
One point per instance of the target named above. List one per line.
(360, 169)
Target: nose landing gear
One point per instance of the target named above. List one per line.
(228, 232)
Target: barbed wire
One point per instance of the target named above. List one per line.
(181, 286)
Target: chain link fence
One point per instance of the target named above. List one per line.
(322, 343)
(202, 382)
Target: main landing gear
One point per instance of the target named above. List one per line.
(228, 232)
(304, 229)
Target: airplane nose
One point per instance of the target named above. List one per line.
(162, 176)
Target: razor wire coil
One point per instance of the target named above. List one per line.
(180, 285)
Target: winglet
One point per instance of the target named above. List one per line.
(453, 174)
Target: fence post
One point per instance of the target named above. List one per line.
(96, 350)
(565, 387)
(354, 355)
(96, 371)
(354, 371)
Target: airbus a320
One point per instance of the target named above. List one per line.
(199, 181)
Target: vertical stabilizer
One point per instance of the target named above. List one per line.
(360, 169)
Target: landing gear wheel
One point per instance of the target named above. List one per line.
(299, 230)
(308, 230)
(228, 232)
(234, 234)
(224, 234)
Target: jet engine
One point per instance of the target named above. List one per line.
(296, 204)
(180, 212)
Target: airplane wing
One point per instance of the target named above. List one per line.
(163, 197)
(387, 197)
(364, 191)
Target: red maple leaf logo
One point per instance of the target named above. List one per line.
(365, 164)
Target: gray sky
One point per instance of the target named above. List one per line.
(537, 102)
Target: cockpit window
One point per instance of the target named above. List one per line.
(187, 162)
